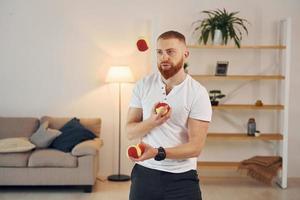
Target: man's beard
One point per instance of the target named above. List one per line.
(168, 73)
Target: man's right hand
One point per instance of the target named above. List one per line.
(137, 128)
(158, 118)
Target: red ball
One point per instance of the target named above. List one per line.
(135, 151)
(142, 45)
(162, 108)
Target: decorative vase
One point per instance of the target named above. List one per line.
(218, 40)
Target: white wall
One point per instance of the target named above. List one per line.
(54, 55)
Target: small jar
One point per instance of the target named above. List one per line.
(251, 127)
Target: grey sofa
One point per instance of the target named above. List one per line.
(49, 167)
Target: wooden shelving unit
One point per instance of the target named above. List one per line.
(281, 106)
(244, 136)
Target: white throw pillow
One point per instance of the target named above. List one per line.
(17, 144)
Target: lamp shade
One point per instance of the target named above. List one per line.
(119, 74)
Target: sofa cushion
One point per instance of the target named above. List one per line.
(72, 134)
(44, 136)
(14, 159)
(51, 158)
(90, 147)
(93, 124)
(17, 144)
(17, 126)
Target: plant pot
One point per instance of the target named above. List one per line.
(186, 70)
(218, 39)
(214, 103)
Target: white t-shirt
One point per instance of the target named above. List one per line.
(189, 99)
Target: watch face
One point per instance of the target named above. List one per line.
(161, 154)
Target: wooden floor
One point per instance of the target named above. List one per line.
(212, 189)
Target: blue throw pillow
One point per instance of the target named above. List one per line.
(72, 134)
(74, 122)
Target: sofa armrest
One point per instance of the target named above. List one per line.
(89, 147)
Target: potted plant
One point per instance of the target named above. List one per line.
(185, 67)
(220, 24)
(214, 95)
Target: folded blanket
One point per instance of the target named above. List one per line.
(262, 168)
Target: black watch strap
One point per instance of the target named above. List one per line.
(161, 154)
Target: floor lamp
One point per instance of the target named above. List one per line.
(119, 74)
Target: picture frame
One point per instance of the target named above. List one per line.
(221, 68)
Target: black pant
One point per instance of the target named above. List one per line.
(150, 184)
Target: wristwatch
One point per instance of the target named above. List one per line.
(161, 154)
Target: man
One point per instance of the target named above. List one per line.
(167, 169)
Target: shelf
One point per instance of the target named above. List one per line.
(235, 47)
(218, 165)
(244, 136)
(247, 107)
(238, 77)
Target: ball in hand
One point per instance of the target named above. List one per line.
(162, 108)
(135, 151)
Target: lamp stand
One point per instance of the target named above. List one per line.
(119, 176)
